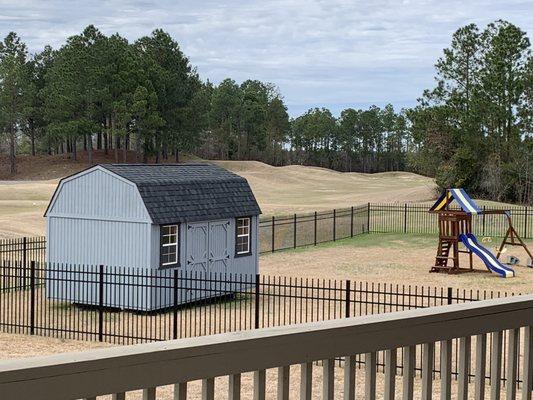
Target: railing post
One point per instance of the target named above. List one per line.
(101, 304)
(32, 304)
(334, 224)
(273, 224)
(175, 311)
(450, 295)
(368, 218)
(527, 367)
(315, 227)
(351, 222)
(257, 288)
(347, 299)
(294, 239)
(405, 218)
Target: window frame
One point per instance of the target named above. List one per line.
(248, 235)
(175, 244)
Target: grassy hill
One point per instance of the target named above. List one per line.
(279, 190)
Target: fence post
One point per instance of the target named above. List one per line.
(24, 261)
(483, 222)
(315, 228)
(175, 321)
(334, 224)
(525, 223)
(294, 239)
(347, 299)
(24, 251)
(101, 304)
(450, 294)
(257, 288)
(405, 218)
(273, 223)
(32, 304)
(368, 218)
(351, 222)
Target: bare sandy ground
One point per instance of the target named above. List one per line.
(278, 190)
(297, 188)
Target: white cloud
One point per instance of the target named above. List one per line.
(334, 53)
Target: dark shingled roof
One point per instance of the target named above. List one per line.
(189, 192)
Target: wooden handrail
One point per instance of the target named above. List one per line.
(120, 369)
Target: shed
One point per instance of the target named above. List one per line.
(194, 218)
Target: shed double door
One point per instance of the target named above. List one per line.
(208, 247)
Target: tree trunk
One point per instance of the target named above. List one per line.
(74, 150)
(12, 156)
(177, 154)
(89, 139)
(145, 151)
(125, 149)
(106, 136)
(117, 138)
(137, 146)
(99, 140)
(32, 139)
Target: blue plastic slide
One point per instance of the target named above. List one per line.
(492, 263)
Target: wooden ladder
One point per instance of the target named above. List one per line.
(443, 255)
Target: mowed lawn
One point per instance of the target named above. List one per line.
(393, 259)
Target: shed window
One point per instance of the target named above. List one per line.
(242, 238)
(169, 244)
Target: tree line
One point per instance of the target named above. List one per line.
(472, 130)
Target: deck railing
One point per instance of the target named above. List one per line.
(148, 366)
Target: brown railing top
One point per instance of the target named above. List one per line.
(119, 369)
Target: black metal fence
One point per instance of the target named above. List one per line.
(127, 305)
(308, 229)
(298, 230)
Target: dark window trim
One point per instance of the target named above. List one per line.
(249, 252)
(178, 252)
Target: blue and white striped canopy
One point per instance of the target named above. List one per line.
(461, 197)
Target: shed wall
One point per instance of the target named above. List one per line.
(100, 195)
(95, 242)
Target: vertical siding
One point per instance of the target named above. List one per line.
(112, 243)
(98, 194)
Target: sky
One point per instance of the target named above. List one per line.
(335, 54)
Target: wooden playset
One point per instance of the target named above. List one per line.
(455, 228)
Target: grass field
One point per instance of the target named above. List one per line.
(391, 258)
(279, 190)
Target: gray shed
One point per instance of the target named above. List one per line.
(196, 218)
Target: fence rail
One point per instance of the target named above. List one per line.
(127, 305)
(149, 366)
(285, 232)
